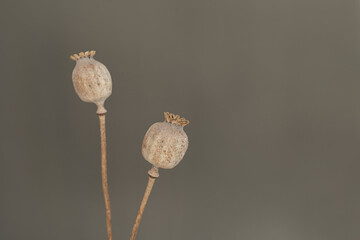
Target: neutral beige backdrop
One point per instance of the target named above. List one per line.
(271, 89)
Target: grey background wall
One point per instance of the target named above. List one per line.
(271, 89)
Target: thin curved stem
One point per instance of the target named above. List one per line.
(142, 207)
(104, 175)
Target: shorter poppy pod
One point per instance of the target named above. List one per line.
(165, 143)
(91, 79)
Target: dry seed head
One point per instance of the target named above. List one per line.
(91, 79)
(165, 143)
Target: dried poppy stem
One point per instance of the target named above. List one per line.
(92, 83)
(153, 174)
(164, 146)
(104, 175)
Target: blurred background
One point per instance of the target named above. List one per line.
(271, 89)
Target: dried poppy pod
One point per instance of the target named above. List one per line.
(164, 146)
(92, 80)
(165, 143)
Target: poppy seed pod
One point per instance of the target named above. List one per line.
(165, 143)
(91, 79)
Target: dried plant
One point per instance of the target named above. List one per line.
(164, 146)
(92, 82)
